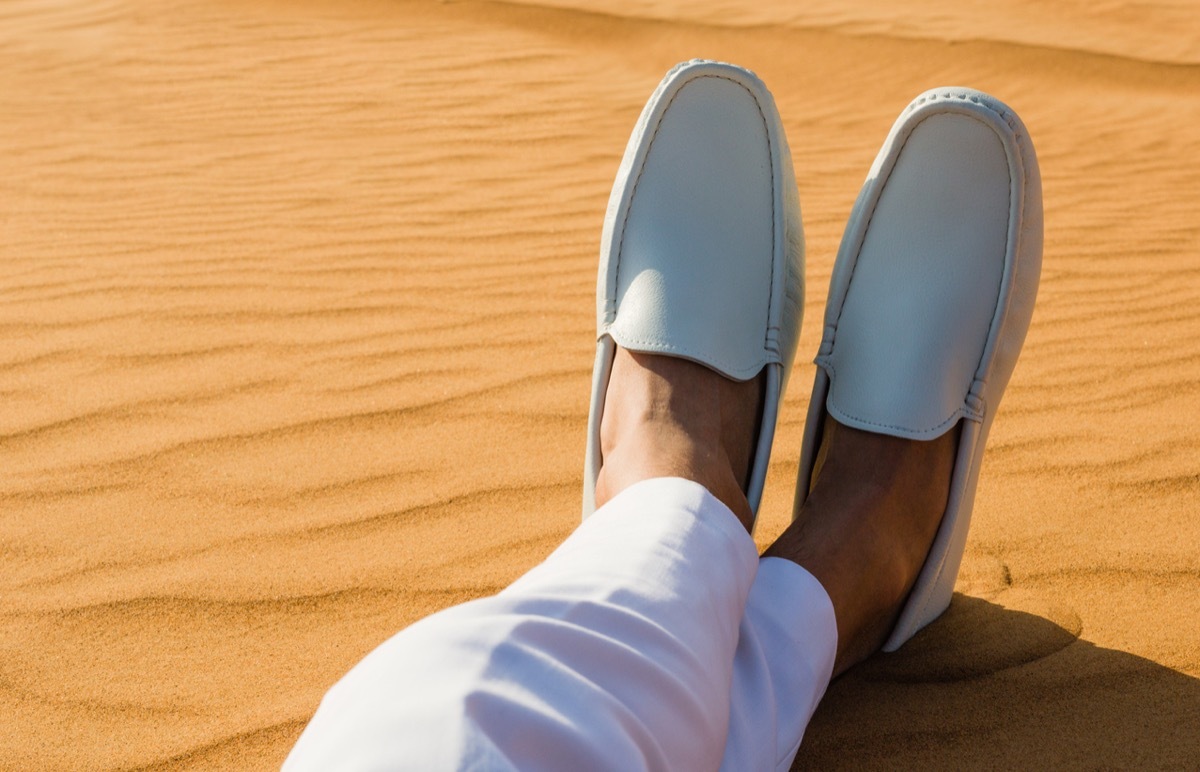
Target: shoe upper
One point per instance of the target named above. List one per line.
(702, 253)
(931, 294)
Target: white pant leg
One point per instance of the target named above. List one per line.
(618, 652)
(615, 653)
(783, 664)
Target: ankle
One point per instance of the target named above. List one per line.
(865, 530)
(658, 448)
(668, 417)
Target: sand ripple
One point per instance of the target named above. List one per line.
(296, 334)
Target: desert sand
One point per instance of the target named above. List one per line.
(296, 329)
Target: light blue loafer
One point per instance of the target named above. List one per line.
(929, 303)
(702, 254)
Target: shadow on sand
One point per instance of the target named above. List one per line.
(993, 687)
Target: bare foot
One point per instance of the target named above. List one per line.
(670, 417)
(866, 528)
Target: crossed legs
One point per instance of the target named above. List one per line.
(867, 525)
(655, 637)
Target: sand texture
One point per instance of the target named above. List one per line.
(296, 330)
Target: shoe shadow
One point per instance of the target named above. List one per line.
(992, 687)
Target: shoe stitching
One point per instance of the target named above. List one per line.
(638, 179)
(612, 302)
(698, 355)
(975, 451)
(941, 568)
(828, 365)
(960, 412)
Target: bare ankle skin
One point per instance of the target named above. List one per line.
(669, 417)
(866, 528)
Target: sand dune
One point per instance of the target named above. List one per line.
(1165, 33)
(296, 326)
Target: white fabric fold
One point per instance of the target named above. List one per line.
(623, 650)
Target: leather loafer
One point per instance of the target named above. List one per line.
(929, 303)
(702, 253)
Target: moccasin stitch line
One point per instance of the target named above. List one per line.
(958, 413)
(942, 562)
(638, 179)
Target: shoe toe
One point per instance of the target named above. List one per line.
(693, 269)
(916, 317)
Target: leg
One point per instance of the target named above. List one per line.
(675, 418)
(828, 591)
(866, 527)
(617, 651)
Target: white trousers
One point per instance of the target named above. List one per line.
(654, 638)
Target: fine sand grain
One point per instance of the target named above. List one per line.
(296, 327)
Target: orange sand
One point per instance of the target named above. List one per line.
(296, 330)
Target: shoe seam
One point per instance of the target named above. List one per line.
(825, 361)
(958, 412)
(637, 180)
(975, 451)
